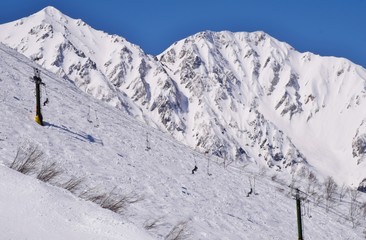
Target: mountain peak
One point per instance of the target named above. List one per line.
(50, 10)
(53, 13)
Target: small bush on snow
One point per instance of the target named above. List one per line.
(179, 232)
(152, 223)
(27, 159)
(49, 172)
(73, 184)
(112, 201)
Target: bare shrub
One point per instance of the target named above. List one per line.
(311, 184)
(179, 232)
(363, 207)
(354, 194)
(73, 184)
(330, 190)
(93, 195)
(274, 177)
(49, 172)
(318, 199)
(27, 159)
(152, 223)
(343, 191)
(112, 201)
(354, 211)
(118, 202)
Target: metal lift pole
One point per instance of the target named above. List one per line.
(298, 210)
(37, 79)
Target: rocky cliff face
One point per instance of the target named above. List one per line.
(239, 96)
(359, 143)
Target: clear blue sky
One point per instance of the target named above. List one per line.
(325, 27)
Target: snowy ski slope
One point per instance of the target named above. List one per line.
(106, 147)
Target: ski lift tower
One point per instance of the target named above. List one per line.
(298, 213)
(37, 79)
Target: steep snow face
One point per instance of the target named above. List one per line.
(239, 96)
(261, 96)
(106, 66)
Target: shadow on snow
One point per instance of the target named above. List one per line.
(80, 136)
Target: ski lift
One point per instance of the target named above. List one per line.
(37, 73)
(89, 118)
(46, 101)
(96, 124)
(309, 210)
(147, 142)
(305, 208)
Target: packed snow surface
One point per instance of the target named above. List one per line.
(32, 210)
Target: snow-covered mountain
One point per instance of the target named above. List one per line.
(106, 66)
(239, 96)
(109, 152)
(274, 102)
